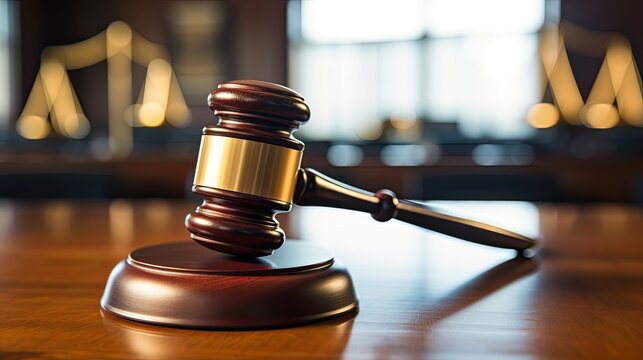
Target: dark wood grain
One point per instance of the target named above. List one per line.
(258, 111)
(236, 223)
(428, 296)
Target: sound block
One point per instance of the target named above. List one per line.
(184, 284)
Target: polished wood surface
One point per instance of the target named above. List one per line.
(428, 296)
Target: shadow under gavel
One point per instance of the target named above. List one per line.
(249, 171)
(419, 341)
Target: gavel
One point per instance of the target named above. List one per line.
(248, 171)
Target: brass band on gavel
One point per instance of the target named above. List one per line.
(248, 167)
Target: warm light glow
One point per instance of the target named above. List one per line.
(543, 115)
(177, 112)
(406, 128)
(599, 116)
(151, 114)
(53, 94)
(619, 59)
(130, 114)
(76, 126)
(626, 81)
(602, 90)
(36, 106)
(66, 114)
(403, 123)
(617, 81)
(156, 93)
(119, 87)
(369, 133)
(630, 98)
(119, 35)
(52, 74)
(550, 46)
(33, 127)
(159, 71)
(81, 54)
(564, 88)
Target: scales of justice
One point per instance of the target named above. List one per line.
(239, 272)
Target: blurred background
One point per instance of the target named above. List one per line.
(536, 100)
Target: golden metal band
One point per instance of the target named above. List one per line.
(248, 167)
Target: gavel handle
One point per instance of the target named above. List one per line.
(316, 189)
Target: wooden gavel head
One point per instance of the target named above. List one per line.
(247, 167)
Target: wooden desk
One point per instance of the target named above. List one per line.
(421, 294)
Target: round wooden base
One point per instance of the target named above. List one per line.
(184, 284)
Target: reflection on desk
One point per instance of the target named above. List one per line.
(421, 294)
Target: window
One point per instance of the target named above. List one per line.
(473, 64)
